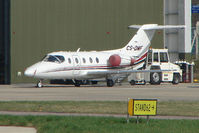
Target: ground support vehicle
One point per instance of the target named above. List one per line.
(158, 59)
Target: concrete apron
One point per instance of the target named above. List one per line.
(12, 129)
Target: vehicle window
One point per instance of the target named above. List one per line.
(76, 60)
(84, 60)
(69, 60)
(155, 57)
(97, 60)
(53, 58)
(149, 57)
(163, 57)
(91, 60)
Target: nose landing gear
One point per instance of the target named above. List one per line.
(39, 84)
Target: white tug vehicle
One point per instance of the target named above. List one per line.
(157, 59)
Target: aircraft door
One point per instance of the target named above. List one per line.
(76, 65)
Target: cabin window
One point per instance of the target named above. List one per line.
(54, 58)
(69, 60)
(97, 60)
(84, 60)
(91, 60)
(76, 60)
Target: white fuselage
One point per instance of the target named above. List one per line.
(76, 65)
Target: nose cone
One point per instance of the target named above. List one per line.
(30, 72)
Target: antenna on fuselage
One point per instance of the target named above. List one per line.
(78, 50)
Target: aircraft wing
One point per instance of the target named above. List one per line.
(124, 72)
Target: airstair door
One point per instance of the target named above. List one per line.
(76, 65)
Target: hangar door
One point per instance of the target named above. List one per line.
(4, 42)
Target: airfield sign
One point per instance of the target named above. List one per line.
(140, 107)
(195, 9)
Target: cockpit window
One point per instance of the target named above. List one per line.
(61, 58)
(54, 58)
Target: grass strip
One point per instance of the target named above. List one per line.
(175, 108)
(57, 124)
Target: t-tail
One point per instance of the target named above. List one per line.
(138, 46)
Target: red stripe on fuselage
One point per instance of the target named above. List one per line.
(95, 67)
(142, 57)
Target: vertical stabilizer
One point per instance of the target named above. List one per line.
(139, 44)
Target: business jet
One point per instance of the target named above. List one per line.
(81, 65)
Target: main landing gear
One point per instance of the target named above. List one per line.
(77, 83)
(110, 82)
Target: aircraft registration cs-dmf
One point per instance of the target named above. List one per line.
(79, 65)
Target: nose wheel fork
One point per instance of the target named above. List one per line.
(39, 84)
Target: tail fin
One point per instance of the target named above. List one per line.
(140, 43)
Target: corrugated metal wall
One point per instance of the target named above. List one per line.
(42, 26)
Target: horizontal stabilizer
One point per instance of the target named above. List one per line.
(156, 27)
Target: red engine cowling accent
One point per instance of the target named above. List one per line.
(133, 61)
(114, 60)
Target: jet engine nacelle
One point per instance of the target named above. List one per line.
(117, 60)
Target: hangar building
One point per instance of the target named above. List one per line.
(32, 28)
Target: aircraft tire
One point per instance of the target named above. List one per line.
(77, 83)
(110, 83)
(39, 85)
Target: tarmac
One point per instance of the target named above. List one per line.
(28, 92)
(12, 129)
(163, 92)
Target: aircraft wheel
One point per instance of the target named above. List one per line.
(155, 78)
(110, 83)
(39, 84)
(77, 83)
(176, 79)
(132, 82)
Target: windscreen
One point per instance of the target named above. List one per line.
(54, 58)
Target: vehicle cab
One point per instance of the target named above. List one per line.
(158, 59)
